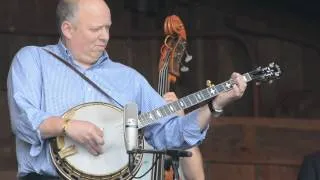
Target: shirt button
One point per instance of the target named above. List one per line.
(89, 89)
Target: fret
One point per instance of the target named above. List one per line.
(150, 116)
(166, 110)
(219, 88)
(189, 98)
(154, 114)
(186, 101)
(163, 111)
(146, 119)
(176, 104)
(141, 117)
(142, 120)
(158, 113)
(181, 103)
(192, 99)
(171, 108)
(199, 96)
(207, 93)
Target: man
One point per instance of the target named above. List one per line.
(41, 89)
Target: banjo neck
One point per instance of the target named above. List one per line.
(188, 101)
(261, 74)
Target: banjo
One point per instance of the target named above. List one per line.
(74, 162)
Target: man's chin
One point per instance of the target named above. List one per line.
(97, 54)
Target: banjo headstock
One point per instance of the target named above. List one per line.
(266, 73)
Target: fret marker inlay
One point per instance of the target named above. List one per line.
(212, 91)
(158, 112)
(199, 97)
(228, 85)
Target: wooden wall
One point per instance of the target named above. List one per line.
(223, 36)
(258, 148)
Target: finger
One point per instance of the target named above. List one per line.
(236, 91)
(167, 100)
(99, 131)
(242, 84)
(96, 147)
(166, 94)
(170, 99)
(98, 139)
(236, 88)
(234, 75)
(170, 95)
(91, 150)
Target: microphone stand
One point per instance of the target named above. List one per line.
(175, 167)
(175, 154)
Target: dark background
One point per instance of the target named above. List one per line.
(223, 36)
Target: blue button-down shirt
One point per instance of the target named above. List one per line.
(40, 86)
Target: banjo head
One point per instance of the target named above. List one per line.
(73, 161)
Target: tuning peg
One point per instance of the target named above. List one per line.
(209, 83)
(184, 69)
(272, 64)
(258, 83)
(188, 57)
(270, 82)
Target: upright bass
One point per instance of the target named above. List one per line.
(173, 58)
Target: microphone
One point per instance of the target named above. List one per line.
(131, 131)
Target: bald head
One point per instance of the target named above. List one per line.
(67, 9)
(84, 27)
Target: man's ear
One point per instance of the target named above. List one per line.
(67, 29)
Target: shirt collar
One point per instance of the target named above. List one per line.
(67, 54)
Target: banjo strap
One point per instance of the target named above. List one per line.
(81, 75)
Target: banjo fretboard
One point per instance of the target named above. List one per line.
(187, 101)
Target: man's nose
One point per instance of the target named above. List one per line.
(104, 34)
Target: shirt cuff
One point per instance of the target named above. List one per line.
(192, 132)
(37, 148)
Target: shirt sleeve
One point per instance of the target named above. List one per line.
(172, 131)
(24, 98)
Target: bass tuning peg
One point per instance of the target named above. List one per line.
(184, 69)
(188, 57)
